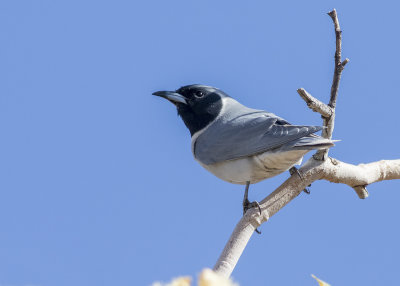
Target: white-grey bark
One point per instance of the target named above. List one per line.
(319, 167)
(331, 170)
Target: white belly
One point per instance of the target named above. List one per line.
(255, 168)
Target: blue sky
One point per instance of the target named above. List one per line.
(98, 185)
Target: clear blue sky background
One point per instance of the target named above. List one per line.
(98, 185)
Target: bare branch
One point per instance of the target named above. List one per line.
(329, 122)
(358, 177)
(332, 170)
(316, 168)
(338, 60)
(238, 241)
(315, 104)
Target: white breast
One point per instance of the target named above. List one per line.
(255, 168)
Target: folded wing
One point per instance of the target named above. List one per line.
(245, 132)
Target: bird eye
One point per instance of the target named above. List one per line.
(199, 94)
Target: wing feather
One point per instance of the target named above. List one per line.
(245, 132)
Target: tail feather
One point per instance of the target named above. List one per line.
(313, 142)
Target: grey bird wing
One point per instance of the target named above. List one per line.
(246, 133)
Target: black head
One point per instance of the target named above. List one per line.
(197, 104)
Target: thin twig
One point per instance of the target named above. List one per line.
(329, 122)
(315, 104)
(338, 60)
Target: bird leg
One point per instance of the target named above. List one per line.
(294, 170)
(247, 204)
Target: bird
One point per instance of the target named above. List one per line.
(238, 144)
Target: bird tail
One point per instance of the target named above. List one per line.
(313, 142)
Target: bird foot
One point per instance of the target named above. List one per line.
(248, 205)
(294, 170)
(307, 190)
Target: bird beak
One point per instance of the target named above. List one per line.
(171, 96)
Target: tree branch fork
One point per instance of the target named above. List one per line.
(318, 167)
(332, 170)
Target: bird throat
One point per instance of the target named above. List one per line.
(198, 116)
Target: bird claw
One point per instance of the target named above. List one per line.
(294, 170)
(247, 205)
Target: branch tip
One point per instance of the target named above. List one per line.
(330, 13)
(314, 104)
(344, 62)
(361, 191)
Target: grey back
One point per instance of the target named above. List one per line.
(241, 131)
